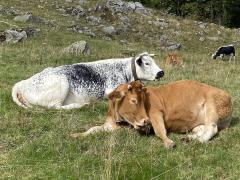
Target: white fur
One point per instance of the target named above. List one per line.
(56, 87)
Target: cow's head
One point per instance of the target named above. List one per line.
(146, 68)
(127, 103)
(173, 59)
(214, 55)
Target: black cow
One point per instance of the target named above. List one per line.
(225, 50)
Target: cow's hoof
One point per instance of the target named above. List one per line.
(185, 139)
(169, 144)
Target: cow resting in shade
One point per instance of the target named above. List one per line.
(180, 106)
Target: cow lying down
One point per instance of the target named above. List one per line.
(72, 86)
(180, 106)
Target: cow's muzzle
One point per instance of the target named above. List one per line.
(159, 75)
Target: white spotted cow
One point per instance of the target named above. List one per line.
(225, 51)
(72, 86)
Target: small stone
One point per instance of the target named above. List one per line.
(78, 48)
(23, 18)
(110, 30)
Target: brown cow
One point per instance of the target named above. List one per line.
(173, 60)
(179, 106)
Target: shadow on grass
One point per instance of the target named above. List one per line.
(235, 121)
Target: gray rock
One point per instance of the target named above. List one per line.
(123, 29)
(76, 11)
(213, 38)
(140, 9)
(23, 18)
(9, 11)
(110, 30)
(68, 1)
(92, 20)
(164, 41)
(237, 31)
(159, 23)
(78, 48)
(82, 2)
(201, 38)
(33, 19)
(124, 41)
(32, 32)
(14, 36)
(82, 30)
(131, 6)
(202, 25)
(138, 5)
(166, 44)
(117, 6)
(124, 19)
(173, 47)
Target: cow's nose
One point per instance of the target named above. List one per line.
(159, 75)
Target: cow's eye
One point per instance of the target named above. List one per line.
(147, 64)
(133, 101)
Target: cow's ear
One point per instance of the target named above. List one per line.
(116, 95)
(139, 61)
(129, 87)
(137, 84)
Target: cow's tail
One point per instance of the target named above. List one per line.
(18, 96)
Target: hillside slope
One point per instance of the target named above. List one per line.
(36, 143)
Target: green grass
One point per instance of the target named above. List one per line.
(35, 143)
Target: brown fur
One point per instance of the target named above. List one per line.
(173, 60)
(179, 106)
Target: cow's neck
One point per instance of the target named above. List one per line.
(133, 69)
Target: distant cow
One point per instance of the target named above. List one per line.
(72, 86)
(225, 51)
(179, 106)
(173, 60)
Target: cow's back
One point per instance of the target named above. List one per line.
(182, 101)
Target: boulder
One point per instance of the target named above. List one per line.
(131, 6)
(32, 32)
(159, 23)
(174, 47)
(78, 48)
(92, 20)
(14, 36)
(23, 18)
(75, 11)
(213, 38)
(110, 30)
(81, 30)
(168, 45)
(33, 19)
(9, 11)
(82, 2)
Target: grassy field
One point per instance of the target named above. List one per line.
(35, 143)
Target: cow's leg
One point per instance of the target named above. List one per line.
(158, 125)
(221, 56)
(71, 106)
(230, 59)
(210, 117)
(210, 130)
(197, 132)
(108, 126)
